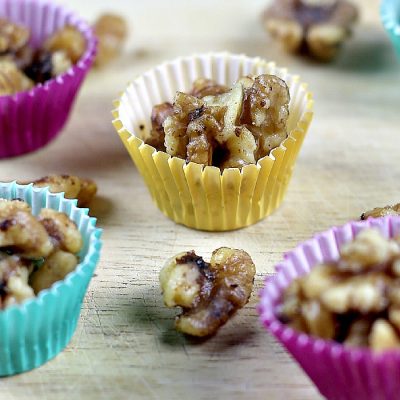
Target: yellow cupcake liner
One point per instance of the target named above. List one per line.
(198, 196)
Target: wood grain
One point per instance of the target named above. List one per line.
(125, 346)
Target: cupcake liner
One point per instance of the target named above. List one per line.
(390, 15)
(339, 372)
(38, 329)
(189, 193)
(29, 120)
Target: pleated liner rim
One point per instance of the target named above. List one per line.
(83, 64)
(60, 290)
(390, 16)
(133, 142)
(333, 356)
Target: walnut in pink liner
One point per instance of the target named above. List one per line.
(30, 119)
(339, 372)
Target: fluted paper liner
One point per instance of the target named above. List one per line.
(339, 372)
(189, 193)
(31, 119)
(390, 15)
(38, 329)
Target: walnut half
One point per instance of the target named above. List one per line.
(209, 293)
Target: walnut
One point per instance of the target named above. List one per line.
(318, 27)
(14, 286)
(62, 230)
(366, 251)
(364, 294)
(111, 31)
(229, 129)
(12, 36)
(69, 40)
(381, 212)
(354, 300)
(209, 293)
(21, 231)
(55, 268)
(159, 114)
(383, 336)
(12, 80)
(73, 187)
(203, 87)
(60, 63)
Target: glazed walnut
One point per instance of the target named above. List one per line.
(14, 275)
(111, 31)
(12, 36)
(318, 27)
(226, 129)
(68, 40)
(12, 80)
(381, 212)
(209, 293)
(35, 252)
(354, 300)
(73, 187)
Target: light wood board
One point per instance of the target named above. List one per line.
(125, 346)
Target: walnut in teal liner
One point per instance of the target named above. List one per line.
(38, 329)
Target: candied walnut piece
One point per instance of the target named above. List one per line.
(55, 268)
(61, 229)
(14, 286)
(368, 250)
(73, 187)
(60, 63)
(381, 212)
(265, 111)
(20, 230)
(111, 31)
(68, 40)
(209, 293)
(186, 109)
(318, 27)
(12, 36)
(159, 114)
(364, 294)
(12, 80)
(318, 321)
(320, 279)
(358, 333)
(207, 87)
(383, 336)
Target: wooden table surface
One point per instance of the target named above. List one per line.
(125, 346)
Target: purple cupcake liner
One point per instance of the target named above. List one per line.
(31, 119)
(338, 371)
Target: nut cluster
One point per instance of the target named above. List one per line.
(209, 293)
(317, 27)
(21, 66)
(35, 252)
(226, 128)
(356, 300)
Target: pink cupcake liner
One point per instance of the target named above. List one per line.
(31, 119)
(339, 372)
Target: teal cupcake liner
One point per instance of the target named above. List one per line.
(37, 330)
(390, 15)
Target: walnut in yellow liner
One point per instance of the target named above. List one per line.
(189, 193)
